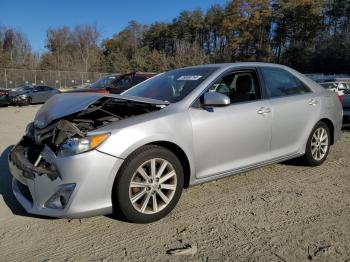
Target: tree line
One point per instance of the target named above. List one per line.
(308, 35)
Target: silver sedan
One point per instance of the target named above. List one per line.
(132, 154)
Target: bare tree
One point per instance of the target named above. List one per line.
(85, 38)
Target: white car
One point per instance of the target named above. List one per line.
(339, 87)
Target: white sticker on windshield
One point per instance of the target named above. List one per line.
(189, 78)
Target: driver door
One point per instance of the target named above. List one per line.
(236, 136)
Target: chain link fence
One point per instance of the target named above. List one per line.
(11, 78)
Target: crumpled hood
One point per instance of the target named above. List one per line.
(61, 105)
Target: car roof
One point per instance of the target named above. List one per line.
(240, 64)
(335, 82)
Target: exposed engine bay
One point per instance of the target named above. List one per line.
(39, 148)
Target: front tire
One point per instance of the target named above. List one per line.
(318, 145)
(28, 101)
(148, 185)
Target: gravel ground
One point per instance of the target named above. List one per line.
(281, 212)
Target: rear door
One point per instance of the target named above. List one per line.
(235, 136)
(294, 111)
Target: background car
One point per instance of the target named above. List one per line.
(25, 95)
(339, 87)
(4, 97)
(100, 85)
(346, 109)
(115, 84)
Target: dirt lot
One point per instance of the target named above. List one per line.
(277, 213)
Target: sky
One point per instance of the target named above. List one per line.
(34, 17)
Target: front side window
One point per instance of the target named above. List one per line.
(123, 82)
(238, 86)
(23, 88)
(103, 82)
(280, 83)
(172, 86)
(39, 88)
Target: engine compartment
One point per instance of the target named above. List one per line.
(101, 113)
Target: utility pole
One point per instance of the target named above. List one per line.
(5, 79)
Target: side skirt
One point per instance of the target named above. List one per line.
(236, 171)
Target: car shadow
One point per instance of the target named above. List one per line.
(6, 187)
(294, 162)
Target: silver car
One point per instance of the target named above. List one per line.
(26, 95)
(132, 154)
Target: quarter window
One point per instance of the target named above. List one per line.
(281, 83)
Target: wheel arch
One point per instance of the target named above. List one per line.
(330, 126)
(173, 147)
(180, 153)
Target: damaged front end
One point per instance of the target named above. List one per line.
(37, 152)
(55, 136)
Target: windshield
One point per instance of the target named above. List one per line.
(22, 88)
(172, 86)
(103, 82)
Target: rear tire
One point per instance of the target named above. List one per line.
(318, 144)
(148, 185)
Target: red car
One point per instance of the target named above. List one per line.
(4, 97)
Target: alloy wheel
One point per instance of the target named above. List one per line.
(319, 143)
(152, 186)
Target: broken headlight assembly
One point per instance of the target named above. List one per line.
(74, 145)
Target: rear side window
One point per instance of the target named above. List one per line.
(280, 83)
(47, 88)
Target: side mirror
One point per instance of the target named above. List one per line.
(215, 99)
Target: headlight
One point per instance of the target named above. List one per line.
(21, 96)
(75, 146)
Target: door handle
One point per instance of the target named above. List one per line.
(313, 102)
(264, 111)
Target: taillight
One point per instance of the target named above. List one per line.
(341, 98)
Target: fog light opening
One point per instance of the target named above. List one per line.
(60, 199)
(63, 201)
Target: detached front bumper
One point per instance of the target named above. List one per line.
(89, 176)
